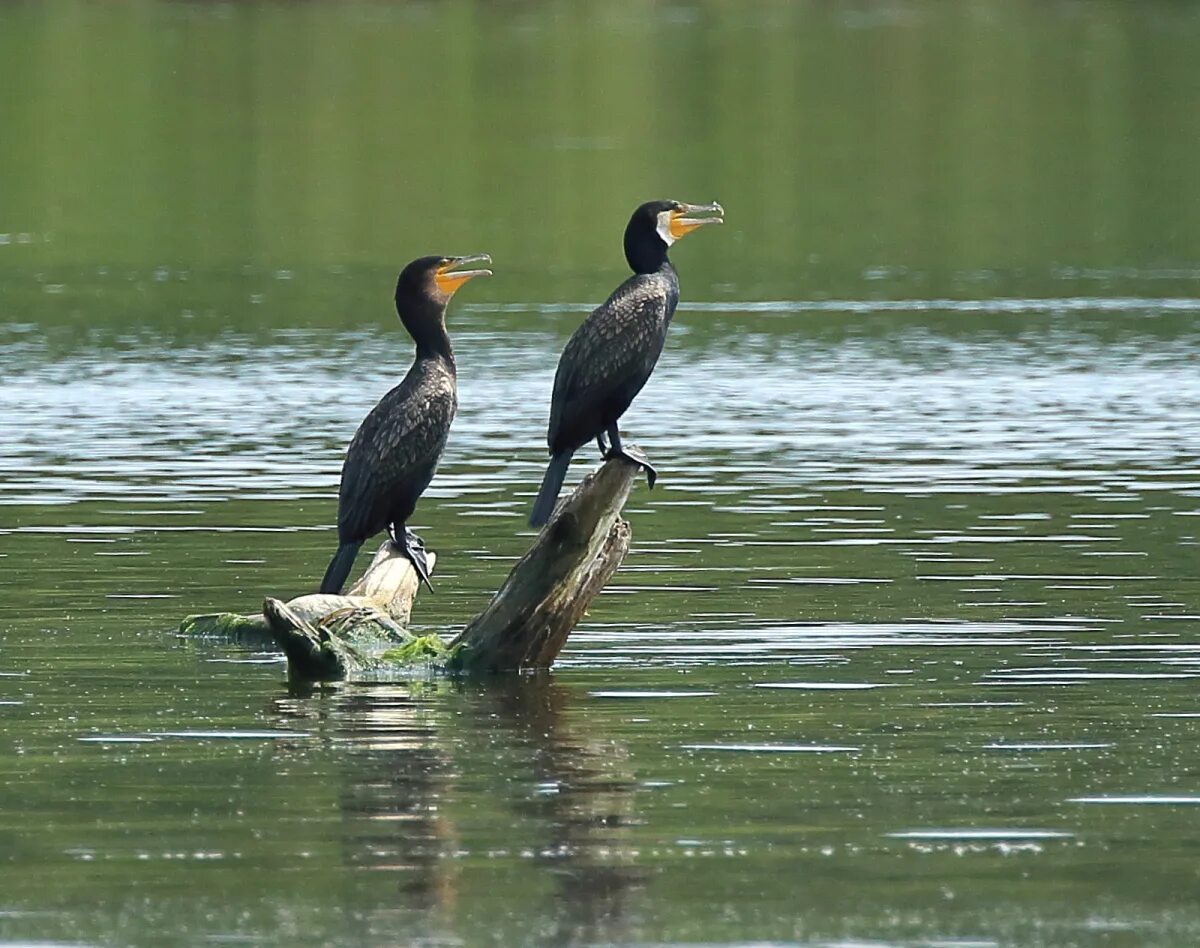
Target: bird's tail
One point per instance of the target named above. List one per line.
(339, 568)
(556, 471)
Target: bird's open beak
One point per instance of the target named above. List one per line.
(683, 223)
(449, 278)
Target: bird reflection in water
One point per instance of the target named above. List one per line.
(399, 775)
(415, 755)
(393, 773)
(584, 795)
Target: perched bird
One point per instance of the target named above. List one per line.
(611, 355)
(396, 449)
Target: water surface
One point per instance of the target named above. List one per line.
(906, 650)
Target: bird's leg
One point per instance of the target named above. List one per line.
(600, 443)
(634, 454)
(413, 547)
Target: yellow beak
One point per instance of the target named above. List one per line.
(682, 224)
(449, 279)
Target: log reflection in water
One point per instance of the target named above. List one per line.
(586, 802)
(425, 785)
(399, 773)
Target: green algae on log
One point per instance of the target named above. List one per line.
(384, 595)
(350, 643)
(364, 635)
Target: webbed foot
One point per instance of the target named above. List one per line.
(413, 547)
(638, 457)
(632, 453)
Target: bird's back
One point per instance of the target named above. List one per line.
(610, 357)
(394, 453)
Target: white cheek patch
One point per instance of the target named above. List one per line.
(664, 227)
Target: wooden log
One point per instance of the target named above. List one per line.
(527, 622)
(364, 633)
(313, 652)
(349, 643)
(388, 587)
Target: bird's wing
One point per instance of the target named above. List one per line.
(610, 355)
(399, 438)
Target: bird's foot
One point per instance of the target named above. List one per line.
(413, 547)
(638, 457)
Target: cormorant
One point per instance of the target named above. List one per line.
(395, 451)
(611, 355)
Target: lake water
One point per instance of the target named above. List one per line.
(906, 651)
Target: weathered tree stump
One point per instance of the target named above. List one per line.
(364, 634)
(528, 620)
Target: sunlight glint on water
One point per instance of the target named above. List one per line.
(905, 651)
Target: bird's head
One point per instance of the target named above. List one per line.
(436, 279)
(424, 290)
(656, 225)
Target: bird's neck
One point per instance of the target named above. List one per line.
(427, 326)
(644, 268)
(646, 252)
(435, 345)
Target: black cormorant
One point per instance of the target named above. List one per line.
(395, 451)
(611, 355)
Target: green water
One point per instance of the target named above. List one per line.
(906, 650)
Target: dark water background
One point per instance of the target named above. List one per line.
(906, 652)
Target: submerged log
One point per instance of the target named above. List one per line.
(349, 643)
(364, 634)
(384, 595)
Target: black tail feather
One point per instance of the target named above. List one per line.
(339, 568)
(556, 472)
